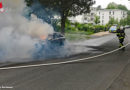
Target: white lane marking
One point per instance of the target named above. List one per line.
(66, 62)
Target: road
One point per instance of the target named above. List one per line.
(109, 72)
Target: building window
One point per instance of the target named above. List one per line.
(123, 13)
(109, 17)
(110, 13)
(102, 22)
(92, 14)
(92, 19)
(102, 17)
(85, 18)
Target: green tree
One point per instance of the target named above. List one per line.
(128, 12)
(128, 20)
(113, 21)
(122, 7)
(29, 2)
(128, 17)
(66, 8)
(112, 5)
(97, 20)
(123, 22)
(99, 7)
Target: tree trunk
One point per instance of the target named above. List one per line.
(63, 19)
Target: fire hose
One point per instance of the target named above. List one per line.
(66, 62)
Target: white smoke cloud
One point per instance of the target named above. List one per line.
(17, 34)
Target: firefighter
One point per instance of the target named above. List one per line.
(121, 36)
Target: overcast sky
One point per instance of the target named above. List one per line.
(104, 3)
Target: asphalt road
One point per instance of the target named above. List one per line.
(109, 72)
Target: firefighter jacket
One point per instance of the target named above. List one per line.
(120, 34)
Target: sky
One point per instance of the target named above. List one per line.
(104, 3)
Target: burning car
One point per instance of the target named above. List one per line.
(49, 47)
(56, 39)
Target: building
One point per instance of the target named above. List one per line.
(90, 17)
(85, 18)
(78, 19)
(104, 15)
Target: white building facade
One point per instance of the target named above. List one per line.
(104, 15)
(90, 17)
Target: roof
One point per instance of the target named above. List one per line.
(111, 10)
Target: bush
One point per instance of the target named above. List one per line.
(83, 28)
(99, 28)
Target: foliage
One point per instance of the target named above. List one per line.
(85, 28)
(122, 7)
(112, 5)
(113, 21)
(29, 2)
(128, 20)
(65, 8)
(99, 7)
(123, 22)
(128, 12)
(97, 20)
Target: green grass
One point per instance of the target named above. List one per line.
(78, 35)
(79, 31)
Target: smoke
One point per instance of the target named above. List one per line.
(51, 16)
(15, 5)
(18, 35)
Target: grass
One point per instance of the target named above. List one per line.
(81, 31)
(78, 35)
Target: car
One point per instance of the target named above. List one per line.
(49, 47)
(56, 38)
(127, 26)
(113, 29)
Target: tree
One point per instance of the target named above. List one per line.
(29, 2)
(97, 20)
(123, 22)
(128, 20)
(122, 7)
(112, 5)
(128, 12)
(113, 21)
(128, 17)
(99, 7)
(66, 8)
(45, 13)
